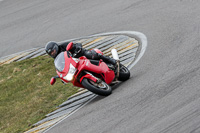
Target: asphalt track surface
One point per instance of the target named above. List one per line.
(163, 94)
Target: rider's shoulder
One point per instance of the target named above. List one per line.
(63, 43)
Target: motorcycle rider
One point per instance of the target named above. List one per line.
(53, 49)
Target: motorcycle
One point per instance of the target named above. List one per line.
(94, 75)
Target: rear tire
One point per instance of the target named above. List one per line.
(101, 88)
(124, 73)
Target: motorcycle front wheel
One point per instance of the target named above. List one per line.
(100, 88)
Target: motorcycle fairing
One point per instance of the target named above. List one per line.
(68, 60)
(102, 69)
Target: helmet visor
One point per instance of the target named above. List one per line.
(53, 52)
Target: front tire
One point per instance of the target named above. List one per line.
(101, 88)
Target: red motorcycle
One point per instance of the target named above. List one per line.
(94, 75)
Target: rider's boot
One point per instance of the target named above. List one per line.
(96, 56)
(110, 60)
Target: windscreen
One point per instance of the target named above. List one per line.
(60, 62)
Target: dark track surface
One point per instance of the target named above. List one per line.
(163, 93)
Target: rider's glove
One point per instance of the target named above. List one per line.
(78, 49)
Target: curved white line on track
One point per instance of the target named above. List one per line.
(142, 40)
(138, 35)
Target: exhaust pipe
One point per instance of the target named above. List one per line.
(115, 54)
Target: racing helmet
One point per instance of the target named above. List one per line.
(52, 49)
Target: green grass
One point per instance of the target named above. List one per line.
(26, 94)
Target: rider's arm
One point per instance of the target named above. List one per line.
(76, 46)
(63, 46)
(76, 50)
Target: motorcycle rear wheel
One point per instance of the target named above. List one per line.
(101, 88)
(124, 73)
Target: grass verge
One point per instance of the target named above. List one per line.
(26, 94)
